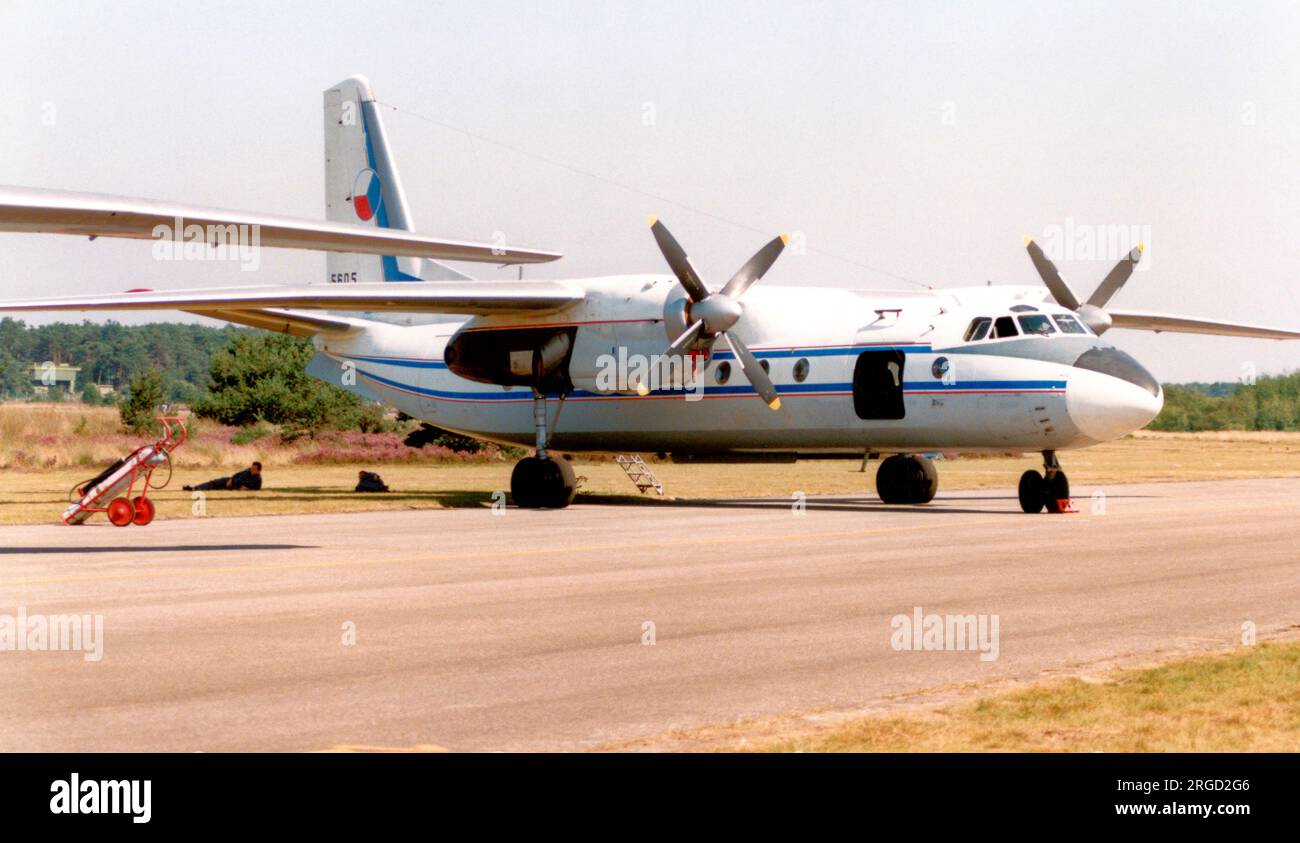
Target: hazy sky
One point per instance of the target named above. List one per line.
(903, 140)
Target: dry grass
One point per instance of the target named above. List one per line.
(40, 437)
(1247, 700)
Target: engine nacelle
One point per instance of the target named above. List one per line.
(533, 357)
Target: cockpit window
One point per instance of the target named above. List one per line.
(1037, 324)
(979, 328)
(1004, 327)
(1069, 325)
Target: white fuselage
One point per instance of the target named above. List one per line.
(1019, 393)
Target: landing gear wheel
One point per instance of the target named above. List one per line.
(542, 483)
(121, 512)
(903, 478)
(144, 511)
(1056, 489)
(1033, 491)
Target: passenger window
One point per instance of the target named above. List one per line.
(1004, 327)
(979, 328)
(1068, 324)
(1037, 324)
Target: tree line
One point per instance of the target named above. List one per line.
(1270, 403)
(237, 376)
(112, 354)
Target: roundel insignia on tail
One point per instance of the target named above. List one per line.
(366, 194)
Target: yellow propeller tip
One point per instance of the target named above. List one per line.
(1141, 247)
(1028, 239)
(653, 219)
(642, 390)
(776, 404)
(785, 239)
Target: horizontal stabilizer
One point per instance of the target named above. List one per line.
(296, 323)
(31, 210)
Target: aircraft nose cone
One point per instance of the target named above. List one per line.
(1106, 405)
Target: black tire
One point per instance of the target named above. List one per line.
(907, 479)
(538, 483)
(1055, 490)
(925, 480)
(1032, 491)
(889, 485)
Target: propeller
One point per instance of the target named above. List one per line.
(1092, 312)
(710, 315)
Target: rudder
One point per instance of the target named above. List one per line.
(362, 188)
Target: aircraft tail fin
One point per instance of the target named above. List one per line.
(362, 188)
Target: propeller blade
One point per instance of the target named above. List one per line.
(755, 267)
(688, 336)
(678, 262)
(761, 382)
(1111, 283)
(1051, 277)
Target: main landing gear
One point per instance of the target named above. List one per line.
(1047, 490)
(905, 478)
(542, 482)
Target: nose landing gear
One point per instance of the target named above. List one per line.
(1044, 491)
(905, 478)
(542, 482)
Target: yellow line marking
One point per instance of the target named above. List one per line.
(320, 564)
(444, 557)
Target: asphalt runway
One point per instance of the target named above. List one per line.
(527, 630)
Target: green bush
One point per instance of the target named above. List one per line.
(262, 378)
(139, 406)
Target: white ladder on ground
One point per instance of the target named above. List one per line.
(639, 473)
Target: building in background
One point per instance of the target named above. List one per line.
(54, 377)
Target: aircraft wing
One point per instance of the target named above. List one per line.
(31, 210)
(1186, 325)
(468, 297)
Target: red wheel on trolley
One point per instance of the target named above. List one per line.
(121, 512)
(144, 511)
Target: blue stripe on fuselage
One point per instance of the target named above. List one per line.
(922, 387)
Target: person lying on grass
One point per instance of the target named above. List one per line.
(250, 479)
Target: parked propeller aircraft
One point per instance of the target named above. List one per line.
(836, 371)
